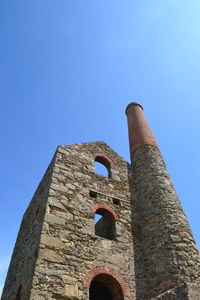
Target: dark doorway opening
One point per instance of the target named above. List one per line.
(105, 287)
(98, 291)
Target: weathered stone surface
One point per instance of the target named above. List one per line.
(167, 244)
(35, 296)
(51, 241)
(51, 255)
(54, 219)
(66, 293)
(58, 187)
(55, 202)
(69, 278)
(186, 291)
(46, 271)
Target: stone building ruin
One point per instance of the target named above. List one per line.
(141, 248)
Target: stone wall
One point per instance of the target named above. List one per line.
(183, 292)
(26, 248)
(69, 250)
(168, 255)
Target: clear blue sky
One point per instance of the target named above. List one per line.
(67, 71)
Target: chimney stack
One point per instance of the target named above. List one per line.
(169, 255)
(139, 130)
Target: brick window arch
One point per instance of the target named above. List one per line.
(105, 161)
(105, 226)
(113, 214)
(116, 284)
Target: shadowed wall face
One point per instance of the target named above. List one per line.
(22, 266)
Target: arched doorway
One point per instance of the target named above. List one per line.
(105, 287)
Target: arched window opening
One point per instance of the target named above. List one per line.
(105, 287)
(102, 166)
(104, 224)
(97, 217)
(18, 295)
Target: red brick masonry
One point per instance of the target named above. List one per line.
(94, 208)
(139, 130)
(92, 273)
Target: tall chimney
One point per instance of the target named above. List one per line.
(169, 254)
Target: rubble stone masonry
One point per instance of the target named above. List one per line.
(168, 255)
(63, 244)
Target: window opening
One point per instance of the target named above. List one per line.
(101, 169)
(104, 224)
(105, 287)
(116, 201)
(102, 166)
(97, 217)
(93, 194)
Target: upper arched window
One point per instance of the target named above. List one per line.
(102, 166)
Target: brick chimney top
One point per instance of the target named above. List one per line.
(133, 103)
(139, 130)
